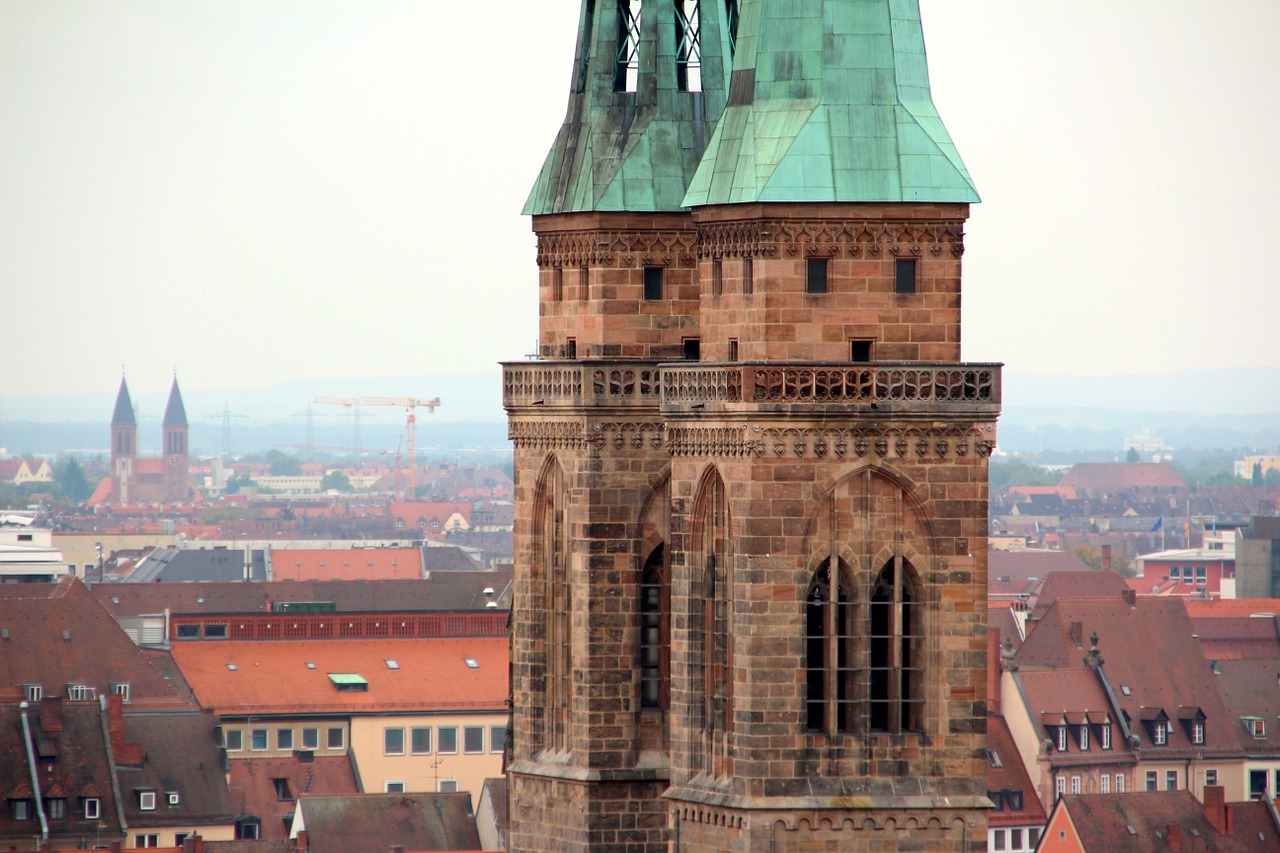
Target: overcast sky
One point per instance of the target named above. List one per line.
(251, 191)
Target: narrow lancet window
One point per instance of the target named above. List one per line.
(655, 631)
(896, 676)
(830, 673)
(688, 46)
(626, 74)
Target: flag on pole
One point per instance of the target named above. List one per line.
(1159, 524)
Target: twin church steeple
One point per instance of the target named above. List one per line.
(148, 480)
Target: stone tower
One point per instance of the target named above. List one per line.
(176, 459)
(751, 468)
(124, 442)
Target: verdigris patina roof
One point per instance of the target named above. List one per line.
(621, 150)
(829, 102)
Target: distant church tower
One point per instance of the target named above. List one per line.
(124, 443)
(751, 468)
(177, 463)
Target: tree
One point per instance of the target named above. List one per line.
(1132, 455)
(335, 481)
(1092, 557)
(69, 475)
(283, 465)
(1257, 473)
(235, 483)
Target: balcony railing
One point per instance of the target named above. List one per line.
(679, 386)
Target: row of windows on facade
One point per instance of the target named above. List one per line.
(688, 41)
(1016, 840)
(1189, 574)
(1172, 780)
(1158, 731)
(76, 692)
(817, 279)
(419, 740)
(90, 808)
(233, 740)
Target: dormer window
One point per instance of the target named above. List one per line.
(147, 801)
(121, 689)
(1062, 738)
(1084, 737)
(1159, 734)
(92, 808)
(1257, 727)
(1106, 736)
(1197, 733)
(81, 692)
(33, 692)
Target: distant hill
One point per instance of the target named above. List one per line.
(1197, 408)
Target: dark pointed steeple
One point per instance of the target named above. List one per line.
(175, 414)
(123, 414)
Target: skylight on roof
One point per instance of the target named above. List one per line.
(472, 663)
(232, 667)
(1124, 688)
(391, 663)
(311, 664)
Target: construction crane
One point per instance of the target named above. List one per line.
(410, 405)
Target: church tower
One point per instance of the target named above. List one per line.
(124, 443)
(751, 467)
(176, 459)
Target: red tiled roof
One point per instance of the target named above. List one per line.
(273, 677)
(1014, 572)
(1238, 638)
(1122, 476)
(1269, 607)
(376, 822)
(1011, 775)
(254, 778)
(1139, 823)
(1073, 585)
(346, 564)
(60, 634)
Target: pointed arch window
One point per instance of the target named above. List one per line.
(712, 588)
(830, 670)
(553, 607)
(688, 45)
(626, 73)
(896, 650)
(655, 631)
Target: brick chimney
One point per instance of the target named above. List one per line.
(1215, 807)
(1130, 598)
(1077, 634)
(1106, 558)
(302, 842)
(1173, 835)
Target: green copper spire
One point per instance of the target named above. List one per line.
(829, 102)
(649, 83)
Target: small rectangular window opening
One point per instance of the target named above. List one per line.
(653, 283)
(905, 269)
(733, 349)
(557, 284)
(748, 275)
(717, 277)
(584, 283)
(692, 349)
(859, 351)
(688, 46)
(816, 276)
(571, 348)
(626, 69)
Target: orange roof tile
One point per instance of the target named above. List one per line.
(273, 677)
(346, 564)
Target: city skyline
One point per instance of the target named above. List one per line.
(253, 193)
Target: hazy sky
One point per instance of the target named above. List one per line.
(257, 190)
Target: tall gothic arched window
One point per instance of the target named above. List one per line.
(626, 70)
(655, 631)
(712, 592)
(556, 605)
(831, 673)
(896, 647)
(688, 20)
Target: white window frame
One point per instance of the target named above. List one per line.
(447, 786)
(174, 798)
(1159, 736)
(1075, 785)
(1060, 785)
(239, 736)
(413, 750)
(266, 740)
(121, 689)
(328, 737)
(440, 750)
(92, 808)
(146, 840)
(1104, 784)
(283, 733)
(398, 784)
(1211, 777)
(997, 841)
(1119, 783)
(33, 692)
(386, 732)
(1171, 780)
(1106, 736)
(147, 801)
(1084, 737)
(467, 730)
(314, 739)
(503, 745)
(1062, 738)
(1197, 732)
